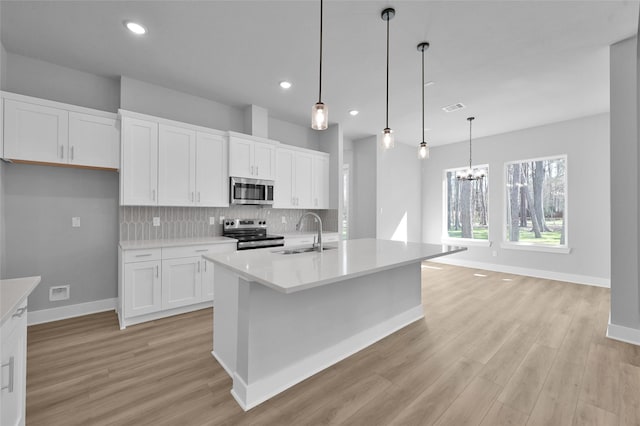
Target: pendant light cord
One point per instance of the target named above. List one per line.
(320, 85)
(387, 112)
(423, 94)
(470, 122)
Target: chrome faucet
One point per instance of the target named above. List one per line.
(299, 228)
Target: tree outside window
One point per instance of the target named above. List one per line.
(467, 205)
(536, 201)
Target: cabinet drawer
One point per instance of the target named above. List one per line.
(142, 255)
(199, 250)
(331, 238)
(18, 319)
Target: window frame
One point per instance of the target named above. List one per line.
(445, 238)
(540, 247)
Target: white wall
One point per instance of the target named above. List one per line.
(586, 143)
(625, 295)
(330, 140)
(364, 196)
(147, 98)
(399, 193)
(32, 77)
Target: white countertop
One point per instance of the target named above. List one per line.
(13, 292)
(175, 242)
(298, 234)
(351, 258)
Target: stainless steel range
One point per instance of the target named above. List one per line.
(251, 233)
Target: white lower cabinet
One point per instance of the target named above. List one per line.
(13, 377)
(164, 281)
(143, 289)
(182, 282)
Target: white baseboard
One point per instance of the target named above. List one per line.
(70, 311)
(253, 394)
(624, 334)
(126, 322)
(538, 273)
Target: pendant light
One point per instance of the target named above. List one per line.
(387, 133)
(320, 112)
(423, 150)
(469, 174)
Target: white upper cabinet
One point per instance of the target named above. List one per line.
(36, 130)
(139, 168)
(251, 159)
(168, 163)
(321, 181)
(302, 179)
(176, 166)
(212, 177)
(284, 196)
(93, 141)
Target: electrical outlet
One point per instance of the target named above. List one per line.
(221, 220)
(75, 222)
(284, 219)
(156, 221)
(60, 292)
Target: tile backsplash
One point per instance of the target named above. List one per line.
(136, 222)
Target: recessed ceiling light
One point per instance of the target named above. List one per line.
(429, 83)
(354, 112)
(135, 28)
(453, 107)
(285, 84)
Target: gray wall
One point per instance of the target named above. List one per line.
(293, 134)
(399, 194)
(586, 143)
(330, 141)
(147, 98)
(625, 297)
(39, 204)
(32, 77)
(364, 197)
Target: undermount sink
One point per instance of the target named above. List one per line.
(301, 250)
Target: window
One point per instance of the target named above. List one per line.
(536, 202)
(467, 205)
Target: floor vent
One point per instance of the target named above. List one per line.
(60, 292)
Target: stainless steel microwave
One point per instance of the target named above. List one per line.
(250, 191)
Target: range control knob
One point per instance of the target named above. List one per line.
(232, 223)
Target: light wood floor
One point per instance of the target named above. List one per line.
(493, 350)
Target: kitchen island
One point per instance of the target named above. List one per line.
(281, 317)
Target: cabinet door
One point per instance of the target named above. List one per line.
(212, 177)
(14, 372)
(139, 168)
(321, 182)
(35, 133)
(264, 161)
(93, 141)
(176, 166)
(241, 158)
(207, 280)
(284, 196)
(142, 288)
(304, 180)
(181, 282)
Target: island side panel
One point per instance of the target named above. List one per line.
(285, 338)
(225, 318)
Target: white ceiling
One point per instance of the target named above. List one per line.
(514, 64)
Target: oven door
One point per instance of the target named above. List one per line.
(250, 191)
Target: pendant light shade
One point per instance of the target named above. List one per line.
(320, 112)
(319, 116)
(387, 134)
(423, 149)
(469, 174)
